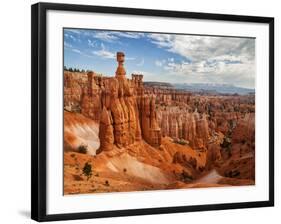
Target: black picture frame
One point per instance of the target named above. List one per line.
(39, 121)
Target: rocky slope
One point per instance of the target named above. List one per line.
(80, 130)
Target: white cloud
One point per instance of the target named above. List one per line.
(67, 45)
(160, 63)
(133, 35)
(171, 59)
(114, 36)
(76, 31)
(91, 43)
(80, 52)
(72, 37)
(141, 63)
(105, 36)
(207, 58)
(104, 53)
(130, 58)
(77, 51)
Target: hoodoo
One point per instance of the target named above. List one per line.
(120, 71)
(124, 112)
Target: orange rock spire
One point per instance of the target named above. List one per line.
(120, 71)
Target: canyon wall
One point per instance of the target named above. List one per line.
(169, 96)
(182, 124)
(74, 83)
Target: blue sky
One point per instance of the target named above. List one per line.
(163, 57)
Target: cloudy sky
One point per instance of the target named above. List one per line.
(164, 57)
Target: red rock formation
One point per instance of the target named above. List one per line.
(213, 155)
(223, 111)
(127, 115)
(180, 124)
(243, 136)
(149, 124)
(121, 110)
(91, 100)
(202, 129)
(106, 131)
(168, 96)
(73, 90)
(137, 84)
(120, 71)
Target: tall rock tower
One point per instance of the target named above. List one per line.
(123, 120)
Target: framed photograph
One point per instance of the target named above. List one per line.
(139, 111)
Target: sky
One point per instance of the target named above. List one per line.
(174, 58)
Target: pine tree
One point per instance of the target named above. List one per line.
(87, 170)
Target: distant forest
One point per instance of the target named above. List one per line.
(74, 69)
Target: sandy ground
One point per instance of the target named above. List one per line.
(210, 178)
(79, 130)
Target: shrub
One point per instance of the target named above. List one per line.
(83, 149)
(181, 141)
(106, 183)
(226, 142)
(186, 177)
(87, 170)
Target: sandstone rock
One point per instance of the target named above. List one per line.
(149, 125)
(243, 137)
(127, 114)
(213, 155)
(245, 129)
(178, 123)
(202, 129)
(73, 90)
(185, 160)
(120, 71)
(106, 131)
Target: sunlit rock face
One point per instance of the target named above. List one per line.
(91, 98)
(243, 136)
(118, 99)
(106, 131)
(181, 124)
(150, 130)
(125, 113)
(223, 111)
(73, 90)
